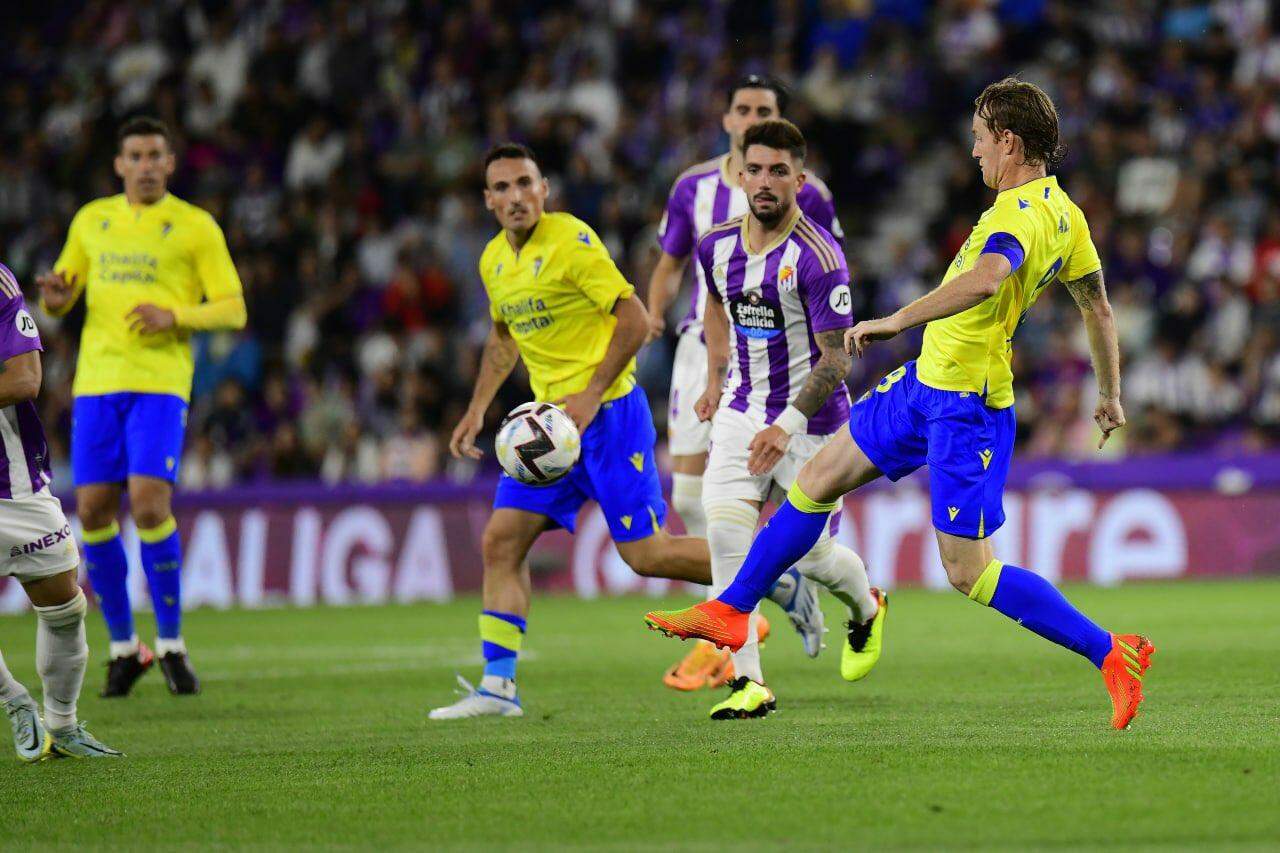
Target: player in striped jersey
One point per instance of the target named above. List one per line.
(705, 195)
(37, 550)
(778, 307)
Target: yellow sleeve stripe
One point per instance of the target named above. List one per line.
(820, 248)
(798, 499)
(985, 587)
(160, 532)
(103, 534)
(499, 632)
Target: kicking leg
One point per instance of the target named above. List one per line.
(842, 571)
(791, 533)
(507, 539)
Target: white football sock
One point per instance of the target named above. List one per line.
(124, 648)
(731, 525)
(175, 644)
(10, 687)
(61, 657)
(842, 572)
(686, 498)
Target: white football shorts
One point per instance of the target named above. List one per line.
(35, 538)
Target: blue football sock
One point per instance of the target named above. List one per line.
(108, 570)
(501, 635)
(162, 561)
(792, 531)
(1036, 605)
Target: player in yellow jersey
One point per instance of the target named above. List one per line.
(952, 408)
(558, 301)
(153, 269)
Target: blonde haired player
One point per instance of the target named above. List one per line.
(952, 408)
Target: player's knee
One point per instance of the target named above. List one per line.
(65, 618)
(150, 515)
(500, 551)
(96, 513)
(644, 556)
(961, 572)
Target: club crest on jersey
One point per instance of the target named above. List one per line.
(166, 228)
(787, 279)
(755, 316)
(537, 266)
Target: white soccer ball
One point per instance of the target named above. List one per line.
(538, 443)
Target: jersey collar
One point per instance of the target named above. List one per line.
(1051, 180)
(796, 213)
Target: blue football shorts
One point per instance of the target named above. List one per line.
(902, 424)
(617, 470)
(116, 435)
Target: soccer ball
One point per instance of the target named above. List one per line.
(538, 443)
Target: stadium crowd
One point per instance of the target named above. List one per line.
(338, 145)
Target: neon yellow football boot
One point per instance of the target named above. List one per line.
(863, 642)
(748, 699)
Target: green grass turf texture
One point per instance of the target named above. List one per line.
(971, 733)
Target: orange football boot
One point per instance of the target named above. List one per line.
(725, 674)
(1122, 672)
(702, 664)
(713, 621)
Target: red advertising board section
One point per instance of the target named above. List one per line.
(306, 545)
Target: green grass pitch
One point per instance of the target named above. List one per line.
(971, 733)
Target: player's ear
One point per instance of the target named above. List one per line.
(488, 199)
(118, 164)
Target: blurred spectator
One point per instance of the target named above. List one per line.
(337, 143)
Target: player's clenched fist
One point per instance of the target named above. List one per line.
(861, 336)
(766, 449)
(463, 441)
(707, 404)
(55, 289)
(1109, 416)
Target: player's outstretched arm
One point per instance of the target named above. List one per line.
(951, 297)
(496, 363)
(628, 335)
(1090, 294)
(769, 445)
(20, 378)
(716, 327)
(664, 284)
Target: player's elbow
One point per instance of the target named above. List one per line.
(987, 286)
(239, 316)
(1099, 311)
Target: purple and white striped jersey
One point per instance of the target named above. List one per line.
(24, 465)
(704, 196)
(776, 302)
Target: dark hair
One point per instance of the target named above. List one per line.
(760, 81)
(144, 126)
(1023, 108)
(509, 151)
(778, 134)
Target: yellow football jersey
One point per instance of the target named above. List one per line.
(557, 295)
(171, 254)
(973, 350)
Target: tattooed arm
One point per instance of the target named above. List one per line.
(769, 445)
(1090, 295)
(496, 363)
